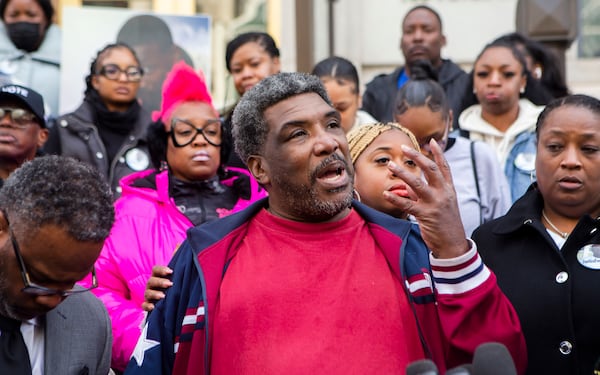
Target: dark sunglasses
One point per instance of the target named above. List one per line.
(19, 116)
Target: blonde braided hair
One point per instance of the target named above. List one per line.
(361, 137)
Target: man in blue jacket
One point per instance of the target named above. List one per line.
(310, 281)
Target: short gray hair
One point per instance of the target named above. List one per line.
(60, 191)
(249, 126)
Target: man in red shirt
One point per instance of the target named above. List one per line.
(310, 281)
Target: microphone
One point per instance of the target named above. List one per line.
(466, 369)
(493, 358)
(422, 367)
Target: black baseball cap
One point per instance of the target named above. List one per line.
(31, 98)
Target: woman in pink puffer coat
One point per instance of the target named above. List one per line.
(189, 186)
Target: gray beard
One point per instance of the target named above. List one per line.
(305, 203)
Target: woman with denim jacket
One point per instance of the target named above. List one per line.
(500, 109)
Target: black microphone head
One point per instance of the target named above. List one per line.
(493, 358)
(422, 367)
(466, 369)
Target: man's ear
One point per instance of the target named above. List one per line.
(259, 169)
(42, 137)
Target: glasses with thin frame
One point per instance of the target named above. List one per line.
(20, 118)
(442, 142)
(113, 72)
(38, 290)
(184, 132)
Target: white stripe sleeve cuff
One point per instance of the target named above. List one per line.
(460, 274)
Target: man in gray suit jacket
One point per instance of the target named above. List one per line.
(55, 214)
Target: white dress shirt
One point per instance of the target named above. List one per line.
(33, 335)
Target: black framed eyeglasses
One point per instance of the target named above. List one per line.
(38, 290)
(113, 72)
(183, 132)
(21, 118)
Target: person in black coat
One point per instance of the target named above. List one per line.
(107, 130)
(250, 57)
(545, 251)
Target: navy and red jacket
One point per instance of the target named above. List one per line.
(456, 302)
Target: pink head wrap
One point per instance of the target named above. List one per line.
(182, 84)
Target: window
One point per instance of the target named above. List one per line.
(589, 28)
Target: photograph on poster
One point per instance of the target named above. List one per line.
(159, 40)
